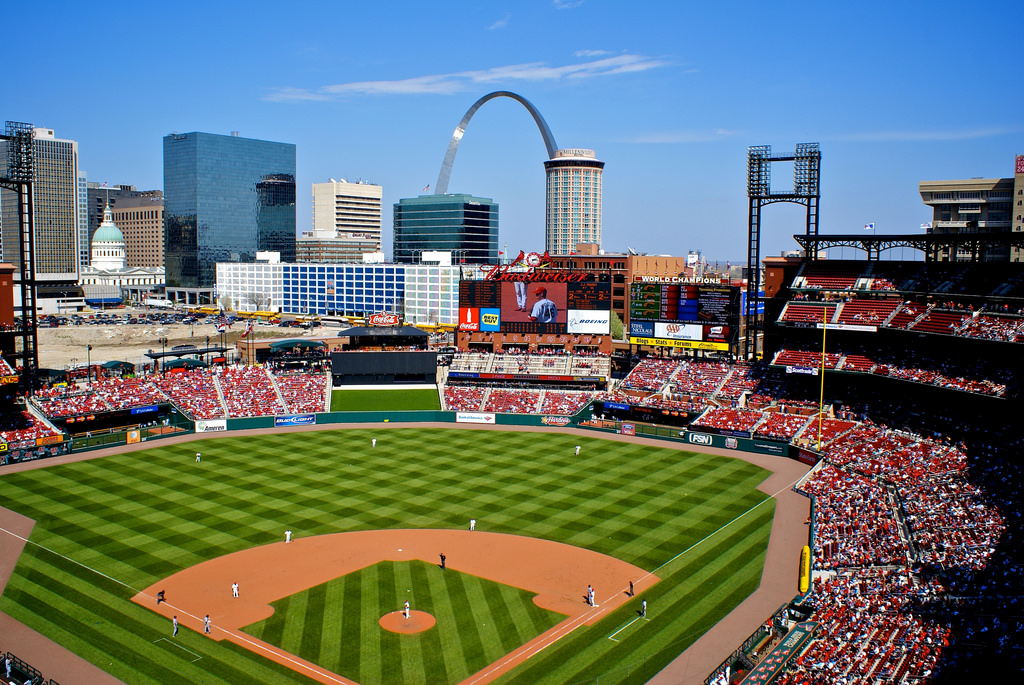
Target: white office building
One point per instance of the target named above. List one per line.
(346, 223)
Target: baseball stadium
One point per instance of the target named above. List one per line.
(540, 505)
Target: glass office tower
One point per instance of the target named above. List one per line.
(225, 198)
(464, 225)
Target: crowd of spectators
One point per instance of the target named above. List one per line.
(562, 402)
(20, 428)
(463, 397)
(906, 557)
(512, 401)
(193, 391)
(651, 375)
(304, 391)
(1003, 328)
(779, 425)
(918, 368)
(235, 391)
(868, 632)
(249, 391)
(723, 418)
(69, 400)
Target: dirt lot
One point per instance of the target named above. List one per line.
(60, 347)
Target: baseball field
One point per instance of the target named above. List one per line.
(692, 529)
(387, 400)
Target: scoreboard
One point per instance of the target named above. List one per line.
(535, 307)
(688, 315)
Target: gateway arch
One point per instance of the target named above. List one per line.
(453, 147)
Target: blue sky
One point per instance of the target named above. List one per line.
(668, 94)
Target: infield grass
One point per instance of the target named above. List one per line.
(347, 610)
(385, 400)
(138, 517)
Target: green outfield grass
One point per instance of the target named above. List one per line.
(352, 644)
(109, 527)
(384, 400)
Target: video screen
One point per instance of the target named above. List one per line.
(535, 307)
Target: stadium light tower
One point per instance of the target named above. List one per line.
(806, 191)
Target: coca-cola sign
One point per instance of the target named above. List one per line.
(383, 319)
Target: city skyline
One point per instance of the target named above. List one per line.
(668, 95)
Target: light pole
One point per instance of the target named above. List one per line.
(163, 349)
(88, 365)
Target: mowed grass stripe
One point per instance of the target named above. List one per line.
(449, 641)
(124, 637)
(429, 642)
(410, 655)
(141, 516)
(673, 610)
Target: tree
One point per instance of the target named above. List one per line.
(225, 303)
(257, 299)
(617, 328)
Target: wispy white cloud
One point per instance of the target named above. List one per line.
(566, 4)
(501, 23)
(591, 53)
(445, 84)
(678, 137)
(925, 135)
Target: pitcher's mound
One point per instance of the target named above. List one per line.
(417, 622)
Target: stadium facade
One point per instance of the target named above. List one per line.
(977, 205)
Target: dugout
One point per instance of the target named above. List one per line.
(384, 368)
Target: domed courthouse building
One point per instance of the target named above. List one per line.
(107, 281)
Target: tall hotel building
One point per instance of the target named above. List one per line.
(225, 198)
(346, 223)
(56, 215)
(573, 200)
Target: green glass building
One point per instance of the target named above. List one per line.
(464, 225)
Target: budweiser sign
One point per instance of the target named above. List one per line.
(503, 272)
(383, 319)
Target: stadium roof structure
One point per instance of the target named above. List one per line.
(185, 364)
(296, 342)
(384, 332)
(931, 244)
(182, 350)
(115, 364)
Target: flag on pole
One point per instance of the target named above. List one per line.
(926, 226)
(248, 328)
(426, 188)
(869, 227)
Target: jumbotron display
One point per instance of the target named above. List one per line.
(689, 315)
(575, 308)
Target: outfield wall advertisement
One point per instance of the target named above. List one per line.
(474, 417)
